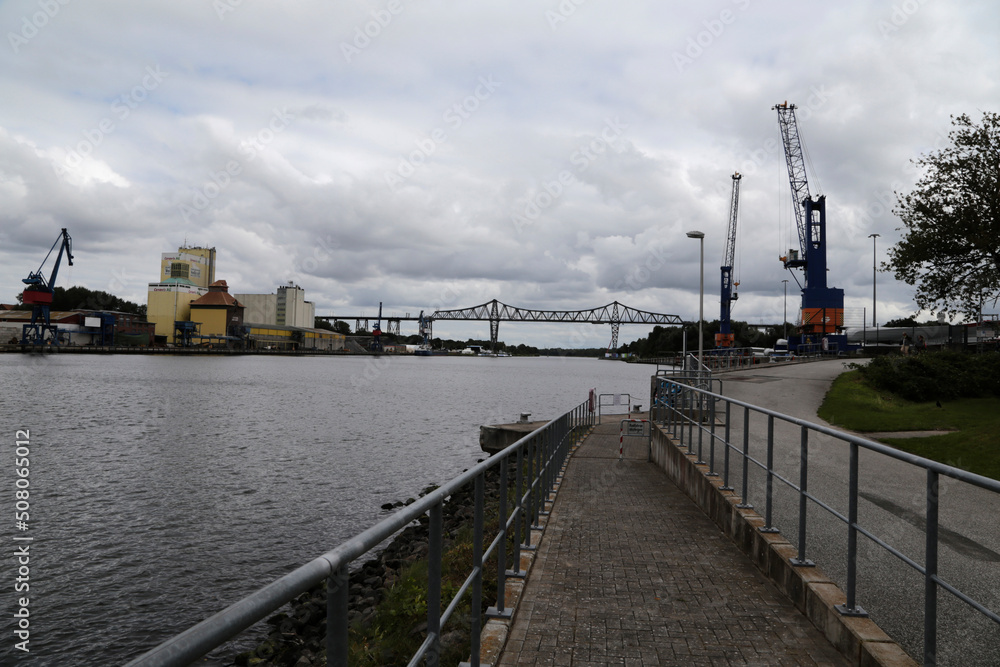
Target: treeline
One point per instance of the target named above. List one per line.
(666, 341)
(81, 298)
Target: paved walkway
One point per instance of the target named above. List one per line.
(630, 571)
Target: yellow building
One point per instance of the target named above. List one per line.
(218, 312)
(195, 264)
(280, 337)
(184, 276)
(169, 302)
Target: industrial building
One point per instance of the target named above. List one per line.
(83, 327)
(185, 276)
(190, 307)
(288, 307)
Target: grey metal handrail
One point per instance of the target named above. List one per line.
(680, 418)
(542, 452)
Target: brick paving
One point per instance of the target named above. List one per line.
(631, 572)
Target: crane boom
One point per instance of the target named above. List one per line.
(796, 169)
(725, 336)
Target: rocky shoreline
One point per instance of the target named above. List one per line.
(298, 636)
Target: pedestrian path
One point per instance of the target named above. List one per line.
(630, 571)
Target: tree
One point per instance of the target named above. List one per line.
(950, 248)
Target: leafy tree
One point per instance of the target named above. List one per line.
(950, 249)
(342, 327)
(322, 324)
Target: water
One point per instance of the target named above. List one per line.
(164, 489)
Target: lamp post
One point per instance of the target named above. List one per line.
(784, 314)
(701, 293)
(874, 302)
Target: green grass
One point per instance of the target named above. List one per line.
(974, 444)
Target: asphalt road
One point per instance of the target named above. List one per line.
(892, 506)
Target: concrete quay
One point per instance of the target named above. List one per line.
(638, 567)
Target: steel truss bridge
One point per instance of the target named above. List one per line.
(496, 312)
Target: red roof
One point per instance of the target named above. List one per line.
(218, 295)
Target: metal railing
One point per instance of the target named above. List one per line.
(537, 458)
(688, 413)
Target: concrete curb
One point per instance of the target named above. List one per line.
(812, 592)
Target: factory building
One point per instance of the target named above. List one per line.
(185, 276)
(83, 327)
(288, 307)
(279, 337)
(207, 314)
(217, 312)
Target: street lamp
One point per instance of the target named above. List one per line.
(784, 314)
(701, 293)
(874, 302)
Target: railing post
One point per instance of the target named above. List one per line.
(476, 604)
(434, 549)
(337, 585)
(516, 570)
(711, 440)
(745, 504)
(930, 571)
(701, 427)
(851, 608)
(500, 610)
(768, 528)
(690, 419)
(537, 481)
(726, 446)
(801, 560)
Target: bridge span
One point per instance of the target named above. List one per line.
(495, 312)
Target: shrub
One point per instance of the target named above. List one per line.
(937, 376)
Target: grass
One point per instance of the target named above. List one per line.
(973, 444)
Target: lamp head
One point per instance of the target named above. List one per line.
(696, 235)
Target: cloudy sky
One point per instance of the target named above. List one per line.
(440, 154)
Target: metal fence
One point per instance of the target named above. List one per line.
(701, 421)
(537, 461)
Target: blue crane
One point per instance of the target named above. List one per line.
(725, 337)
(822, 314)
(39, 293)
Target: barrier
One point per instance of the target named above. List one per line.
(680, 421)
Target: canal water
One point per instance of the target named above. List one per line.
(164, 489)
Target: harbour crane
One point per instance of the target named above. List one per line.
(822, 312)
(725, 337)
(39, 293)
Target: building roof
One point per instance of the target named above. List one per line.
(216, 299)
(218, 295)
